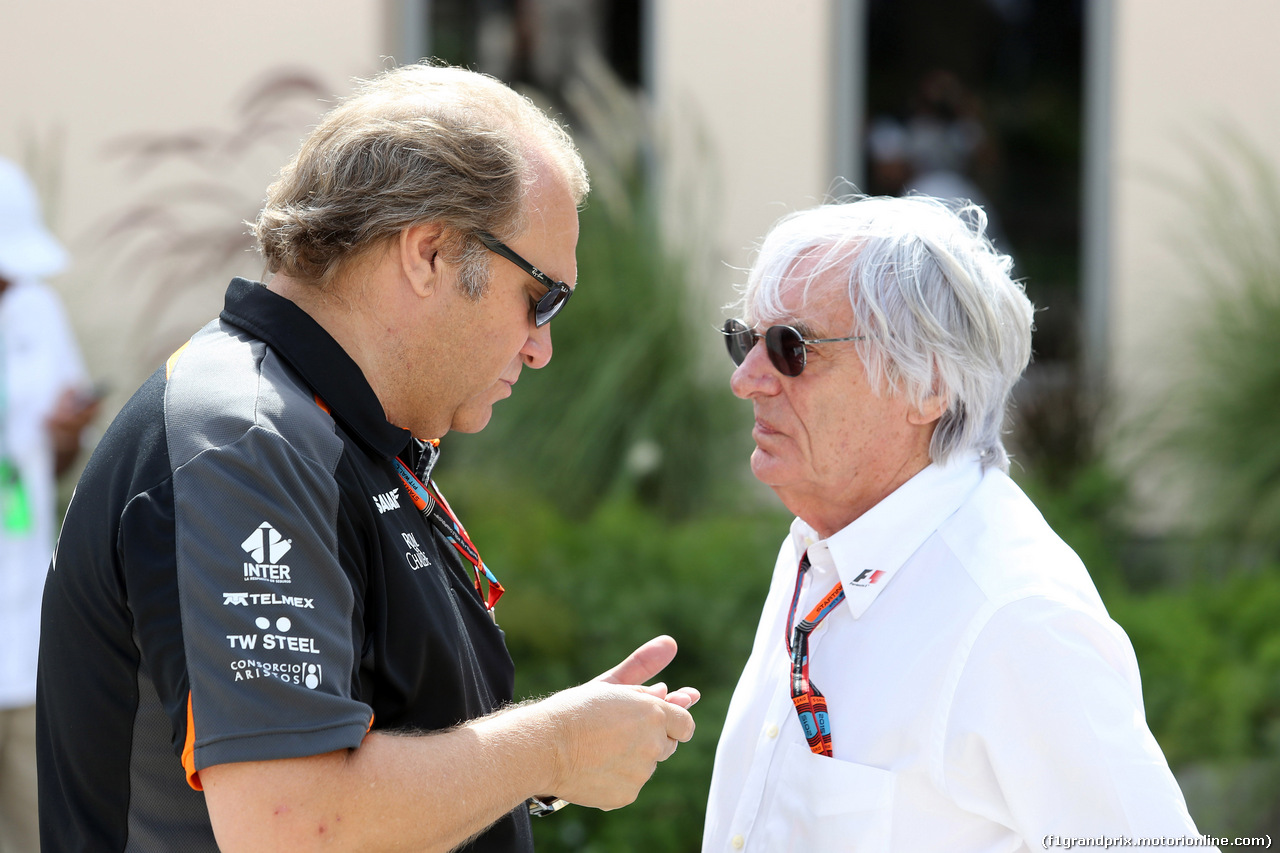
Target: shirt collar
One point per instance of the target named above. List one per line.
(321, 362)
(867, 554)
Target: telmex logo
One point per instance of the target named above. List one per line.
(266, 545)
(243, 599)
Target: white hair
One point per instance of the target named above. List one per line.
(933, 297)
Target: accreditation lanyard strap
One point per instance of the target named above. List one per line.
(811, 707)
(435, 509)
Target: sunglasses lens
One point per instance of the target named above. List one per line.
(786, 349)
(550, 304)
(739, 340)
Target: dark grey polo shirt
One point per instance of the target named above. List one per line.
(241, 577)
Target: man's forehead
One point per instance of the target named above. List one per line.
(809, 298)
(551, 228)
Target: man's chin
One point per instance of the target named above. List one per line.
(767, 467)
(471, 420)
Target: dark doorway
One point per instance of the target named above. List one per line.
(539, 42)
(982, 99)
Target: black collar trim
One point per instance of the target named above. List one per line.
(318, 359)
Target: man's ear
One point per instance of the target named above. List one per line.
(933, 407)
(418, 250)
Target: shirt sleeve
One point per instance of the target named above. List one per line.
(1047, 734)
(270, 616)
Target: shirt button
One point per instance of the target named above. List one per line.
(737, 841)
(771, 731)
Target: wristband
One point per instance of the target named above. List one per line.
(543, 806)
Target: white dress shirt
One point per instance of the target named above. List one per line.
(980, 697)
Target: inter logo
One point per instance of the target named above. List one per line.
(266, 545)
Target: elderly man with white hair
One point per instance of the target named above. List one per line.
(934, 669)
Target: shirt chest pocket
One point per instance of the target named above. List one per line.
(830, 805)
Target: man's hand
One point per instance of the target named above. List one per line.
(595, 744)
(611, 738)
(614, 731)
(646, 662)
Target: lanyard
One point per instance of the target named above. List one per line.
(427, 499)
(810, 704)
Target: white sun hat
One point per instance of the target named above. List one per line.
(27, 249)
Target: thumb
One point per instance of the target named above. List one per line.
(642, 664)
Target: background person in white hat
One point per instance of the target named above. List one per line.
(44, 406)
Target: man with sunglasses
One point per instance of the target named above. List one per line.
(933, 669)
(265, 627)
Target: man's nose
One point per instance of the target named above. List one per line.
(756, 375)
(537, 347)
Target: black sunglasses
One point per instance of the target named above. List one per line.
(786, 347)
(558, 293)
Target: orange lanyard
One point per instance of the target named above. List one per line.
(427, 499)
(811, 706)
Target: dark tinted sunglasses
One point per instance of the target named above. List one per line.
(786, 347)
(558, 292)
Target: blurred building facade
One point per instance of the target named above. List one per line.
(763, 106)
(147, 128)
